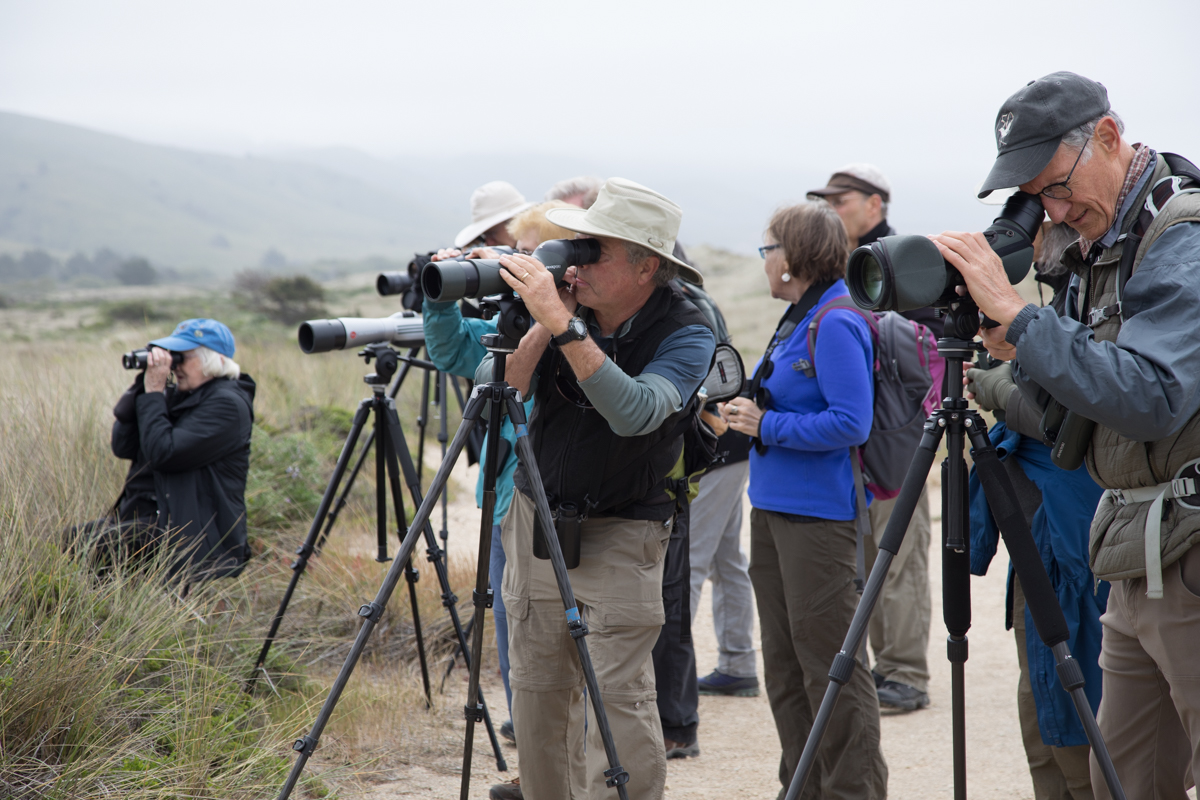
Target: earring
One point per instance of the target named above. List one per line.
(785, 277)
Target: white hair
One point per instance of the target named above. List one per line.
(1081, 138)
(215, 365)
(584, 185)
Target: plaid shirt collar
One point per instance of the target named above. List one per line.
(1141, 159)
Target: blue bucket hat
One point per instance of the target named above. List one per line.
(193, 333)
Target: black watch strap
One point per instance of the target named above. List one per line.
(576, 332)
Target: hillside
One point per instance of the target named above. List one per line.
(65, 189)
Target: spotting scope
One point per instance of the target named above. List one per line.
(404, 328)
(454, 279)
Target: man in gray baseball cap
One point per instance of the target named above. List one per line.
(1126, 358)
(613, 365)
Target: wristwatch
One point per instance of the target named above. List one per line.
(576, 331)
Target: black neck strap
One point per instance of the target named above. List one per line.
(787, 325)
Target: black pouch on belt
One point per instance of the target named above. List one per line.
(568, 525)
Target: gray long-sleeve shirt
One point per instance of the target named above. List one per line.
(1146, 384)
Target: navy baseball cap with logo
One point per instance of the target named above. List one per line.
(1031, 125)
(193, 333)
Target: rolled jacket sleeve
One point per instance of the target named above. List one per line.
(1146, 384)
(452, 340)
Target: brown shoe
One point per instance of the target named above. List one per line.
(681, 749)
(507, 791)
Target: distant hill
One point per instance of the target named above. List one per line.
(66, 189)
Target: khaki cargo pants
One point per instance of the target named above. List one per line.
(618, 584)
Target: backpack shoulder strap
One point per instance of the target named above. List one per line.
(809, 366)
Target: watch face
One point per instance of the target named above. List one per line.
(578, 327)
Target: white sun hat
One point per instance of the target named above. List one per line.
(491, 204)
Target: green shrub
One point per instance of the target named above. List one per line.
(135, 312)
(286, 479)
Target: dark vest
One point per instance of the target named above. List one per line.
(580, 459)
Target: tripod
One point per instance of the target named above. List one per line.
(494, 396)
(957, 423)
(391, 458)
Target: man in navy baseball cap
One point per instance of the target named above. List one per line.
(193, 333)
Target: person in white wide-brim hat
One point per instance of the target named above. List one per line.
(613, 365)
(492, 206)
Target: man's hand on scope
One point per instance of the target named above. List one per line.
(987, 283)
(158, 367)
(551, 306)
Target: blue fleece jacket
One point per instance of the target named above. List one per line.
(810, 423)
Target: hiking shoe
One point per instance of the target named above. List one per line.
(900, 698)
(680, 750)
(717, 682)
(506, 730)
(879, 679)
(507, 791)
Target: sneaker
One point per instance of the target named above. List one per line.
(879, 679)
(506, 730)
(680, 750)
(717, 682)
(507, 791)
(900, 698)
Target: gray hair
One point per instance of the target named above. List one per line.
(215, 365)
(1055, 241)
(1081, 137)
(586, 185)
(667, 270)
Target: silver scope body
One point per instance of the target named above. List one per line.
(404, 328)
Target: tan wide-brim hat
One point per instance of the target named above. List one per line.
(629, 211)
(491, 204)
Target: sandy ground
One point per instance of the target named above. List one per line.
(739, 748)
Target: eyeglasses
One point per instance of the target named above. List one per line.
(1060, 190)
(766, 248)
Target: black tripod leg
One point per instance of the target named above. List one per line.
(443, 436)
(437, 557)
(306, 550)
(893, 536)
(1039, 593)
(422, 421)
(386, 413)
(615, 775)
(371, 612)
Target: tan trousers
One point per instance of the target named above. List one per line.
(803, 576)
(618, 585)
(1058, 773)
(899, 628)
(1150, 710)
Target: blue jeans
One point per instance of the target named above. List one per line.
(496, 575)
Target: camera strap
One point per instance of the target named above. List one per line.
(788, 323)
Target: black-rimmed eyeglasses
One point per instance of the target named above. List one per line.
(1060, 190)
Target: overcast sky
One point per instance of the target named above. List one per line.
(911, 86)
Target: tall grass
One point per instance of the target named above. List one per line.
(116, 686)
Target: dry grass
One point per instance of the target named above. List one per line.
(117, 687)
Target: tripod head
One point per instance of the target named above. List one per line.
(513, 323)
(387, 361)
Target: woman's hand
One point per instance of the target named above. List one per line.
(158, 367)
(742, 415)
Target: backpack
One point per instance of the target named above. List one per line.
(908, 374)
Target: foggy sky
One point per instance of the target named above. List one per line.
(910, 86)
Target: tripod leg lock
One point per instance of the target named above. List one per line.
(372, 611)
(305, 745)
(575, 624)
(473, 713)
(304, 551)
(434, 554)
(1070, 673)
(449, 599)
(482, 599)
(841, 669)
(412, 575)
(615, 776)
(956, 650)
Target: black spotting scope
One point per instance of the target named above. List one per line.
(902, 273)
(479, 277)
(404, 328)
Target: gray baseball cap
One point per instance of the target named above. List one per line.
(1031, 124)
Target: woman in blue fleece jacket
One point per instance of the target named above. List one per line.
(802, 532)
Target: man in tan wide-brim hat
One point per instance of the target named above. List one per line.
(613, 364)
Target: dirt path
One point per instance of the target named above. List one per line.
(739, 747)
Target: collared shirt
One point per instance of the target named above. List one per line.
(1141, 159)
